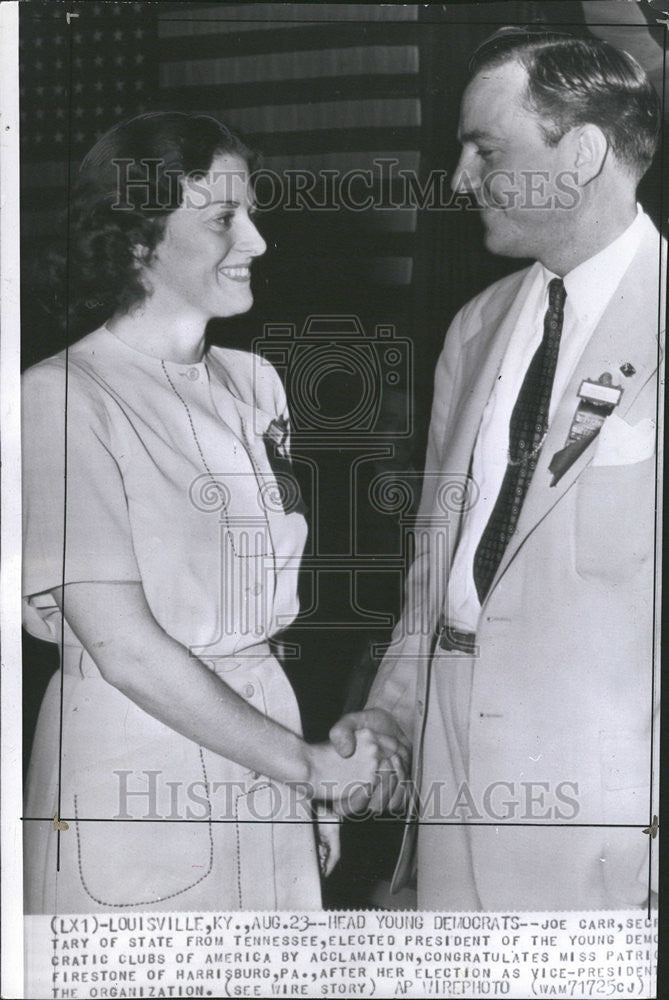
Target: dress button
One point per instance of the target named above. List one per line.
(193, 374)
(256, 589)
(249, 691)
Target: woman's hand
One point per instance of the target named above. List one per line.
(343, 780)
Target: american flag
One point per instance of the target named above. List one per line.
(313, 86)
(77, 78)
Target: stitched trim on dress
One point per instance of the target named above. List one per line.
(158, 899)
(228, 530)
(260, 480)
(241, 795)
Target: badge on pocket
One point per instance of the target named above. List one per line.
(597, 400)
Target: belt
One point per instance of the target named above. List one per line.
(450, 638)
(78, 663)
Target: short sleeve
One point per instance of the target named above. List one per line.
(76, 526)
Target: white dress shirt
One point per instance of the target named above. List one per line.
(589, 288)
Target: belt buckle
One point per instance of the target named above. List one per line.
(453, 639)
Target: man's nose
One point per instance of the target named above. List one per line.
(465, 179)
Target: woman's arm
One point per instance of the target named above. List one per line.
(134, 654)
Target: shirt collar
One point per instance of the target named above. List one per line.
(590, 285)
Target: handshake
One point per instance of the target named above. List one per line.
(365, 766)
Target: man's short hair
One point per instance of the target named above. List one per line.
(577, 80)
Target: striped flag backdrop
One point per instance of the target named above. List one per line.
(316, 88)
(310, 87)
(76, 80)
(319, 87)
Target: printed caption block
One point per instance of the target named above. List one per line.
(342, 954)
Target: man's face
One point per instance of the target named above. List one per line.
(524, 187)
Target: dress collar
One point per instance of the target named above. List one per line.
(141, 358)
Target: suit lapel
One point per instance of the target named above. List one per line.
(482, 357)
(626, 332)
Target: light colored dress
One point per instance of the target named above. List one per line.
(168, 482)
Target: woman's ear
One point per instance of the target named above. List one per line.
(142, 264)
(141, 255)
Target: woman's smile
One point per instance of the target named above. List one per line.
(239, 272)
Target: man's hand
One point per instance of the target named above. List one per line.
(390, 792)
(383, 725)
(329, 847)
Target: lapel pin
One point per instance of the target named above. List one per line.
(627, 369)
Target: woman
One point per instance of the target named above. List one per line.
(168, 560)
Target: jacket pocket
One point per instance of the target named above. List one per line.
(625, 770)
(625, 774)
(615, 519)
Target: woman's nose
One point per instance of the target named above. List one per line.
(251, 240)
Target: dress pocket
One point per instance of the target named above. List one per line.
(615, 519)
(128, 851)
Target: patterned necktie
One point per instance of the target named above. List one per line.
(527, 430)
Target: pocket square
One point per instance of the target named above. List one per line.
(621, 443)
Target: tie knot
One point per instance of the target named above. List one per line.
(556, 295)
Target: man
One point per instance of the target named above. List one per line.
(527, 687)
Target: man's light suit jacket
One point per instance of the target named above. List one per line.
(563, 684)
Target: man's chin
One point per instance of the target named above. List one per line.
(502, 245)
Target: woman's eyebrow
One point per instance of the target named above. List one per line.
(250, 207)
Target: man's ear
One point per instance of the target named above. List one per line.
(590, 151)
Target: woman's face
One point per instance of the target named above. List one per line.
(202, 266)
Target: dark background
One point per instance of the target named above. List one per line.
(313, 86)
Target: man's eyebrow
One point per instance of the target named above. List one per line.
(477, 135)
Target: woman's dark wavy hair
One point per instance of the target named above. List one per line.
(127, 186)
(577, 80)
